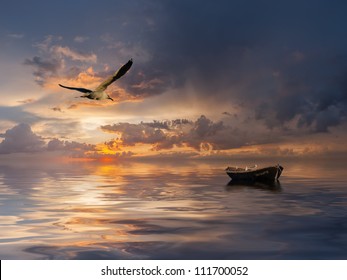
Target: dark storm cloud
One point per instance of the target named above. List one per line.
(312, 91)
(284, 61)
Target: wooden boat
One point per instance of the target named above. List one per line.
(268, 174)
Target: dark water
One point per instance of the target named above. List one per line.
(170, 211)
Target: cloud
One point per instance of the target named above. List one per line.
(81, 39)
(71, 148)
(308, 95)
(44, 68)
(51, 62)
(57, 109)
(201, 135)
(132, 134)
(50, 47)
(74, 55)
(21, 139)
(82, 150)
(44, 65)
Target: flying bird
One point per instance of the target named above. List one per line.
(99, 93)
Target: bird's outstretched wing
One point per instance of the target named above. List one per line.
(121, 71)
(84, 90)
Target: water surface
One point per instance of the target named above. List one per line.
(170, 211)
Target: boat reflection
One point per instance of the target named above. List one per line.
(266, 186)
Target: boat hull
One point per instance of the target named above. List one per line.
(267, 174)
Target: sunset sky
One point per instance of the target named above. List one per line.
(210, 78)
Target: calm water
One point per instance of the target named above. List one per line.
(170, 211)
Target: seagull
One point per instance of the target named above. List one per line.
(99, 93)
